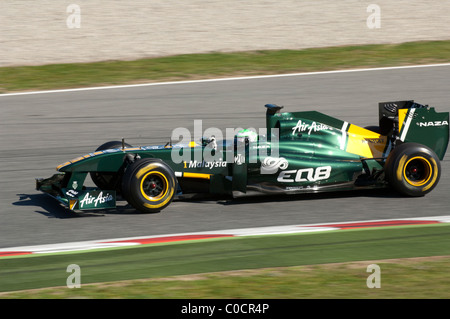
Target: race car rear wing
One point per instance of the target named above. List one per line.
(407, 121)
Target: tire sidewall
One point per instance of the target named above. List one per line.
(108, 180)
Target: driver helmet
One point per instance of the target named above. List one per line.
(251, 135)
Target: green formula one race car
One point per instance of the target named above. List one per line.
(300, 152)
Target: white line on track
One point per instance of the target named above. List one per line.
(225, 79)
(255, 231)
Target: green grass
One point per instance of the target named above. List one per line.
(148, 264)
(198, 66)
(422, 278)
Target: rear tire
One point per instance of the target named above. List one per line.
(108, 180)
(413, 169)
(149, 185)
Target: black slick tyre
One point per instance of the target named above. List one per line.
(149, 185)
(108, 180)
(413, 169)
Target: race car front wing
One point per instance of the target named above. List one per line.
(85, 199)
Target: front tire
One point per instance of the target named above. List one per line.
(149, 185)
(413, 169)
(108, 180)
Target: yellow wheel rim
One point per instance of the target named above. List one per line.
(417, 171)
(154, 186)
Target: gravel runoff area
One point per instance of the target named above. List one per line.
(48, 31)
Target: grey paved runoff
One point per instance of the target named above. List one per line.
(40, 131)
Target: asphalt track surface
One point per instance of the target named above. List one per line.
(40, 131)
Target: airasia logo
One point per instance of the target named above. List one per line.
(305, 175)
(100, 199)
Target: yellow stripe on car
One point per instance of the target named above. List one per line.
(196, 175)
(62, 165)
(364, 142)
(401, 118)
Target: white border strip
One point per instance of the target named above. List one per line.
(256, 231)
(225, 79)
(344, 135)
(410, 116)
